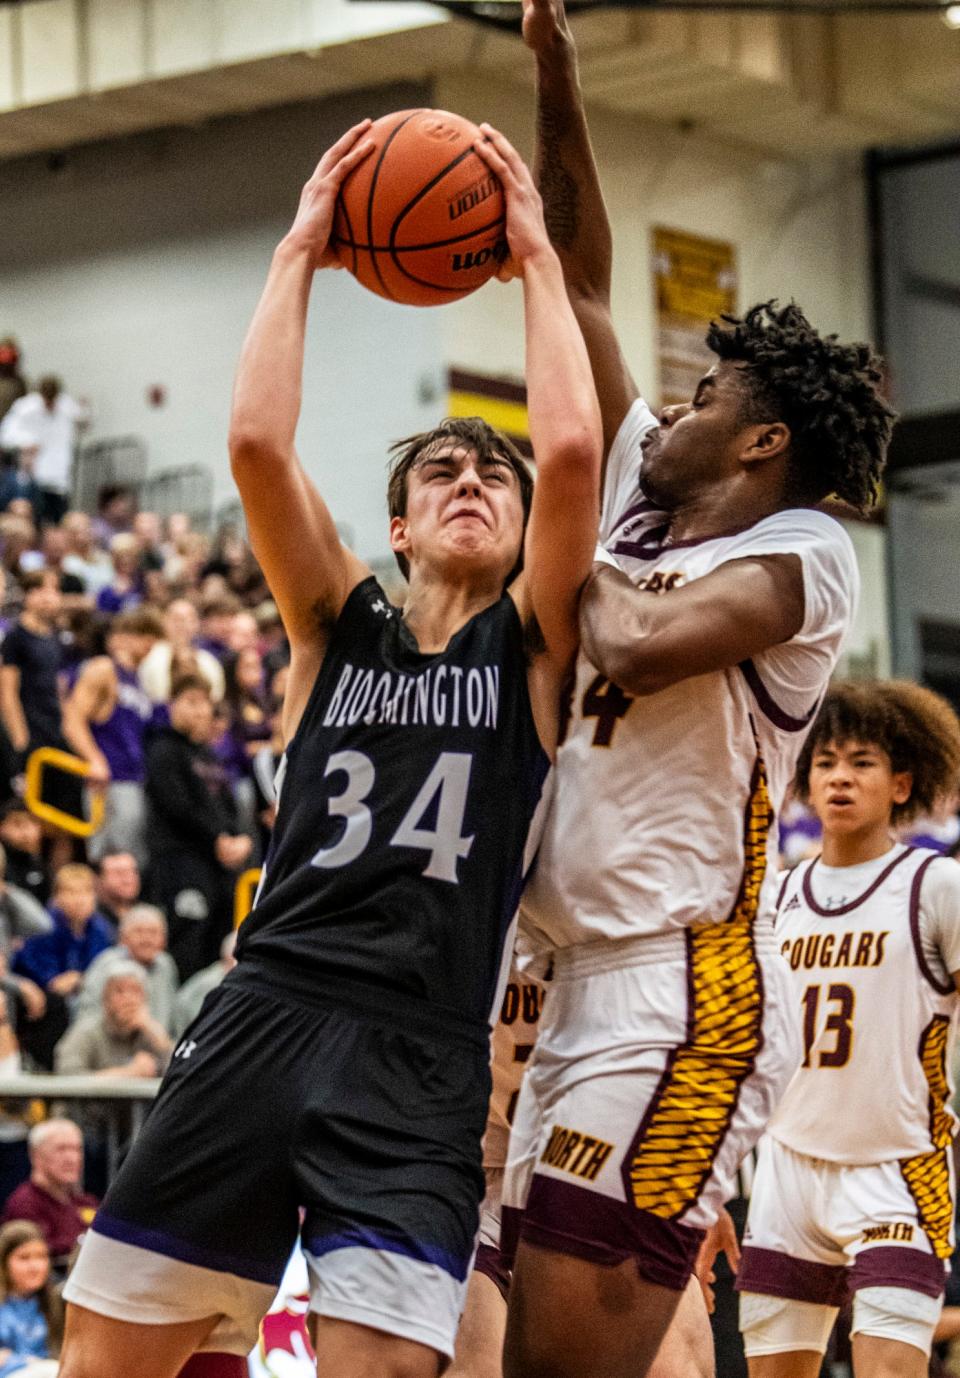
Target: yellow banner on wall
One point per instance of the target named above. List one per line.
(696, 282)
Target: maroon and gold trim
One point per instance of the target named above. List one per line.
(774, 1274)
(674, 1149)
(570, 1219)
(890, 1266)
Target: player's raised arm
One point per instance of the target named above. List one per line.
(293, 535)
(564, 417)
(574, 209)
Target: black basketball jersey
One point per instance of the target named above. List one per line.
(406, 802)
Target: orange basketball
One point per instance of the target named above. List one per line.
(422, 219)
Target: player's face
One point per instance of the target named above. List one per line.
(698, 442)
(853, 786)
(463, 513)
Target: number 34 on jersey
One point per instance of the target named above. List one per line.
(442, 796)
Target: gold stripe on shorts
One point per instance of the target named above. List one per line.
(691, 1110)
(928, 1174)
(933, 1059)
(928, 1177)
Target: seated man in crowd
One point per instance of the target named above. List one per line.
(122, 1038)
(118, 886)
(53, 1197)
(57, 960)
(192, 993)
(143, 939)
(22, 839)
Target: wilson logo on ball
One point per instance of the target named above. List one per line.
(473, 196)
(496, 253)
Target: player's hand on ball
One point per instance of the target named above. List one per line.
(313, 223)
(526, 232)
(544, 24)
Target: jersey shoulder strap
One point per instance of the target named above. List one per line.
(363, 615)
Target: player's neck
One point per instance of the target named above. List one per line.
(435, 610)
(853, 849)
(727, 506)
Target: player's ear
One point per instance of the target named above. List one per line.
(399, 536)
(767, 441)
(902, 786)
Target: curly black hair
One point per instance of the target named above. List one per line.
(829, 394)
(917, 728)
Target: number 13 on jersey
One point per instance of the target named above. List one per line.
(444, 789)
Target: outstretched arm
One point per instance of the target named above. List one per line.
(309, 571)
(574, 210)
(645, 641)
(564, 419)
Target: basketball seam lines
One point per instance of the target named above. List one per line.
(418, 248)
(372, 193)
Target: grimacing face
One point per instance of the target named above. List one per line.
(461, 512)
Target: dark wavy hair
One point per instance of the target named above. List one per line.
(828, 393)
(473, 433)
(917, 728)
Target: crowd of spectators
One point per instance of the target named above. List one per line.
(151, 650)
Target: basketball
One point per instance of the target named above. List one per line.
(422, 219)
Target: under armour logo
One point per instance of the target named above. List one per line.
(186, 1048)
(381, 606)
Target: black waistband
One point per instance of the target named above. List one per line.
(320, 990)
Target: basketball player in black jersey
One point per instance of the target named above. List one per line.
(342, 1069)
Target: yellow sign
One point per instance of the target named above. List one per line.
(696, 282)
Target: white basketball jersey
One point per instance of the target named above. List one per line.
(511, 1044)
(870, 949)
(665, 805)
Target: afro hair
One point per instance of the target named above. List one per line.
(917, 729)
(829, 394)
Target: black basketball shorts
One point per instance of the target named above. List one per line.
(359, 1128)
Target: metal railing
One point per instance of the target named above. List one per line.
(122, 459)
(124, 1098)
(186, 489)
